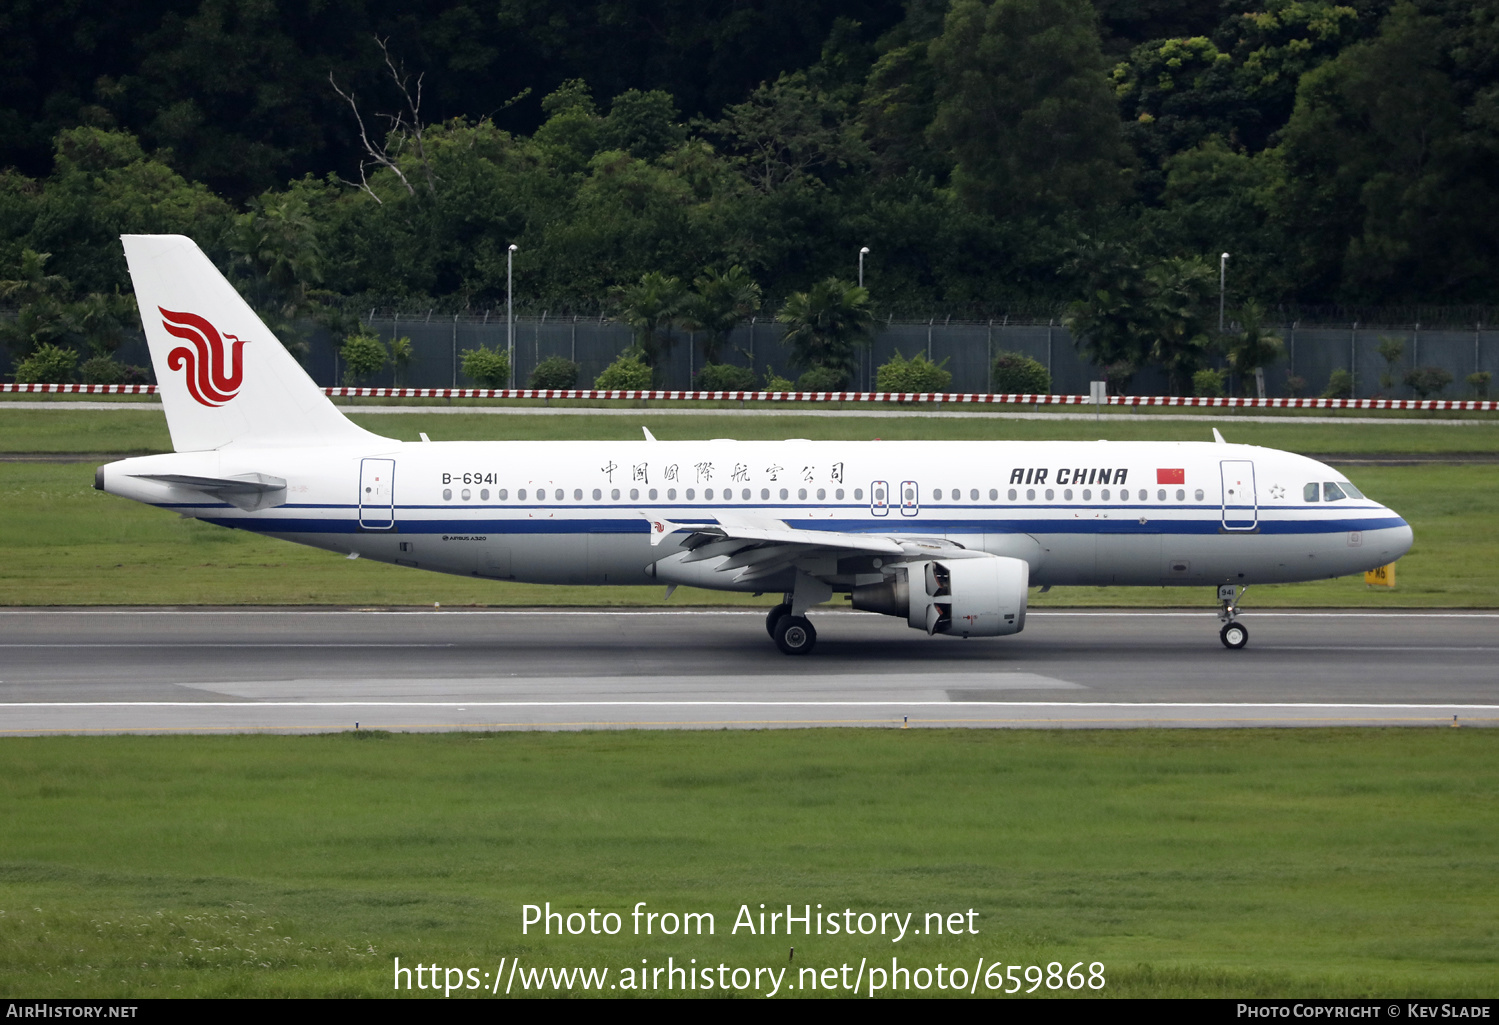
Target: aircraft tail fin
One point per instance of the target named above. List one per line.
(223, 377)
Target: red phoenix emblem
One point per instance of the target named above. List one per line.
(213, 376)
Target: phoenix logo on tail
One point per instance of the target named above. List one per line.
(213, 377)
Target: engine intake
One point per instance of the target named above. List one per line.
(984, 597)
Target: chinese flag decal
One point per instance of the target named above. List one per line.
(1171, 476)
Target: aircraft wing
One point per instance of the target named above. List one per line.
(757, 547)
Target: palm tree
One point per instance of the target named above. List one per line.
(652, 308)
(826, 324)
(720, 304)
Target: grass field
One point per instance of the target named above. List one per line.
(72, 428)
(1203, 863)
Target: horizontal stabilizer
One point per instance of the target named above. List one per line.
(247, 491)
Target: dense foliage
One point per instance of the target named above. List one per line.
(682, 165)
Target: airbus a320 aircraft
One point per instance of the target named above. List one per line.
(945, 535)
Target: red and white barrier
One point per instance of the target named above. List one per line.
(952, 398)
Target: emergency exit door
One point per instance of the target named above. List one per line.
(1240, 504)
(377, 498)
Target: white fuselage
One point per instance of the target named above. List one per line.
(567, 512)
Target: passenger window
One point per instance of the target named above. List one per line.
(653, 494)
(936, 494)
(521, 494)
(1181, 495)
(994, 495)
(447, 494)
(467, 494)
(1087, 495)
(801, 494)
(764, 494)
(1144, 495)
(821, 494)
(484, 495)
(973, 495)
(577, 494)
(858, 494)
(671, 493)
(785, 494)
(597, 494)
(838, 494)
(1311, 493)
(1331, 492)
(613, 494)
(1030, 494)
(1104, 494)
(1160, 495)
(502, 494)
(634, 494)
(1067, 494)
(1198, 494)
(1050, 495)
(1012, 495)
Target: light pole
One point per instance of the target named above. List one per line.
(862, 253)
(1222, 281)
(510, 309)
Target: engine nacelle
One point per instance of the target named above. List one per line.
(983, 597)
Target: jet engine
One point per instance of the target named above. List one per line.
(979, 597)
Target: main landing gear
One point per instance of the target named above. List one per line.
(1234, 634)
(794, 635)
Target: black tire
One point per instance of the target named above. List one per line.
(773, 617)
(1234, 635)
(795, 635)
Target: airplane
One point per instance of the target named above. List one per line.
(947, 535)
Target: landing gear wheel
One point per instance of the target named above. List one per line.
(774, 616)
(1234, 636)
(794, 635)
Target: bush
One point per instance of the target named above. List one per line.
(1428, 381)
(1479, 382)
(1295, 386)
(554, 372)
(822, 379)
(1208, 384)
(917, 374)
(101, 370)
(725, 377)
(489, 367)
(47, 364)
(627, 373)
(775, 382)
(1119, 374)
(1018, 374)
(1339, 385)
(363, 356)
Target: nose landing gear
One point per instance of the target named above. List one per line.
(1234, 634)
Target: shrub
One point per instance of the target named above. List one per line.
(822, 379)
(401, 354)
(47, 364)
(1428, 381)
(775, 382)
(101, 370)
(917, 374)
(1208, 384)
(554, 372)
(1479, 382)
(363, 356)
(1339, 385)
(628, 372)
(725, 377)
(1295, 386)
(1016, 373)
(489, 367)
(1119, 374)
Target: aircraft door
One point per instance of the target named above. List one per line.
(377, 498)
(879, 498)
(1240, 503)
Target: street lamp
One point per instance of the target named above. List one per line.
(510, 309)
(862, 253)
(1222, 280)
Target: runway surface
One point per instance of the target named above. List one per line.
(306, 670)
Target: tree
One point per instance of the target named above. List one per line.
(1181, 292)
(826, 324)
(719, 304)
(790, 131)
(1391, 350)
(652, 308)
(1024, 107)
(363, 357)
(1252, 347)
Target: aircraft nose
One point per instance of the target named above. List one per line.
(1400, 539)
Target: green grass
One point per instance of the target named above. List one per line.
(71, 428)
(1201, 863)
(67, 544)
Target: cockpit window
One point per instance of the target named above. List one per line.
(1312, 492)
(1331, 492)
(1350, 490)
